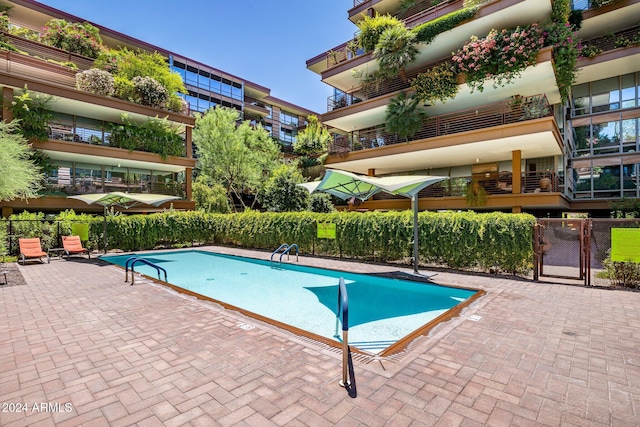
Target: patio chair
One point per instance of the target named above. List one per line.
(73, 246)
(31, 248)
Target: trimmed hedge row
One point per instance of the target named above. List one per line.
(462, 240)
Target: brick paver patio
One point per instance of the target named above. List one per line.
(81, 347)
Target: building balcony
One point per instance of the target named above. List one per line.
(354, 112)
(490, 133)
(496, 14)
(48, 53)
(18, 70)
(539, 191)
(487, 116)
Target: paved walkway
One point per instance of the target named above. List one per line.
(80, 347)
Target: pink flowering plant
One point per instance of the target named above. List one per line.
(82, 39)
(501, 56)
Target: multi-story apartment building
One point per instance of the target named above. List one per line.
(78, 144)
(534, 142)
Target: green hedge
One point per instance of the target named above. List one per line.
(462, 240)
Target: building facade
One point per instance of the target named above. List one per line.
(536, 138)
(80, 147)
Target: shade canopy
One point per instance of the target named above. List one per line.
(347, 185)
(124, 200)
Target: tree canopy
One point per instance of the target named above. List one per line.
(20, 177)
(282, 193)
(313, 139)
(240, 157)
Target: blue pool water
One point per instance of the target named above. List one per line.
(381, 310)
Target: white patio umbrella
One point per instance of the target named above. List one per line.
(346, 185)
(123, 200)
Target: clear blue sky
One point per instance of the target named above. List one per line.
(264, 41)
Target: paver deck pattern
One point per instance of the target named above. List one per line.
(81, 347)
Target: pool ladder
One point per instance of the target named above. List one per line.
(286, 250)
(132, 261)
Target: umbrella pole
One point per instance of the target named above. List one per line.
(415, 232)
(104, 230)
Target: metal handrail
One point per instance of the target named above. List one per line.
(288, 251)
(133, 261)
(342, 316)
(283, 246)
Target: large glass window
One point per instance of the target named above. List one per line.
(613, 93)
(288, 118)
(605, 137)
(605, 95)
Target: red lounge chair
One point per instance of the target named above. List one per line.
(73, 246)
(30, 248)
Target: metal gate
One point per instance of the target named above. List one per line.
(573, 248)
(562, 248)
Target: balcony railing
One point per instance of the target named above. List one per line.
(59, 131)
(87, 185)
(340, 101)
(483, 117)
(494, 184)
(589, 4)
(616, 40)
(48, 53)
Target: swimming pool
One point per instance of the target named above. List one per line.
(382, 310)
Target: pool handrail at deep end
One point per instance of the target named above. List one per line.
(134, 260)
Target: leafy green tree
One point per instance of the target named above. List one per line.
(211, 198)
(20, 178)
(237, 156)
(282, 193)
(313, 139)
(403, 117)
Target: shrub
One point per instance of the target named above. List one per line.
(623, 274)
(177, 104)
(96, 81)
(436, 84)
(403, 116)
(155, 136)
(83, 39)
(500, 55)
(372, 28)
(321, 203)
(425, 33)
(150, 92)
(33, 114)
